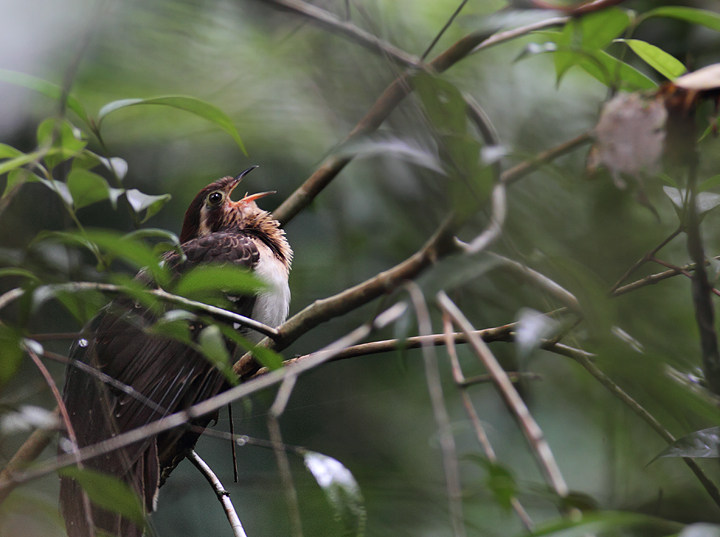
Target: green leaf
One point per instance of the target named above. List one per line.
(212, 345)
(703, 444)
(144, 202)
(21, 160)
(499, 480)
(11, 352)
(599, 29)
(443, 103)
(46, 88)
(665, 64)
(62, 136)
(227, 278)
(108, 492)
(87, 188)
(712, 182)
(190, 104)
(8, 151)
(702, 17)
(605, 68)
(82, 305)
(266, 357)
(16, 271)
(175, 324)
(341, 490)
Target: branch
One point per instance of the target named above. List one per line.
(648, 418)
(442, 419)
(325, 309)
(524, 168)
(74, 287)
(222, 494)
(209, 405)
(386, 103)
(533, 432)
(327, 20)
(701, 288)
(462, 383)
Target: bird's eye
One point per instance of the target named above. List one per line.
(215, 198)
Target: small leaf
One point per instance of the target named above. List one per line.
(7, 151)
(442, 101)
(189, 104)
(703, 444)
(713, 182)
(117, 165)
(600, 28)
(87, 187)
(664, 63)
(266, 357)
(21, 160)
(108, 492)
(709, 19)
(532, 328)
(46, 88)
(175, 324)
(341, 490)
(704, 201)
(11, 352)
(226, 278)
(63, 137)
(16, 271)
(212, 345)
(144, 202)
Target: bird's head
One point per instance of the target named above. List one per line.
(212, 209)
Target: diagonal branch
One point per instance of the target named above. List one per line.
(347, 29)
(533, 432)
(386, 103)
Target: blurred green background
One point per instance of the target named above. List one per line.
(294, 91)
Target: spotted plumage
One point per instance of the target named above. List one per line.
(168, 375)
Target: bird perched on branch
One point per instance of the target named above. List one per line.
(165, 374)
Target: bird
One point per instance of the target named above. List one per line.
(165, 375)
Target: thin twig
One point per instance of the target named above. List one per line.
(443, 30)
(524, 168)
(73, 287)
(684, 272)
(497, 220)
(72, 437)
(648, 418)
(484, 441)
(209, 405)
(644, 259)
(273, 423)
(385, 104)
(222, 495)
(529, 426)
(442, 419)
(327, 20)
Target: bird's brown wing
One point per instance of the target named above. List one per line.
(164, 374)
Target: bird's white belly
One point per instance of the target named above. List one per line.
(272, 305)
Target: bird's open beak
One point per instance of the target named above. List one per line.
(238, 178)
(247, 198)
(253, 197)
